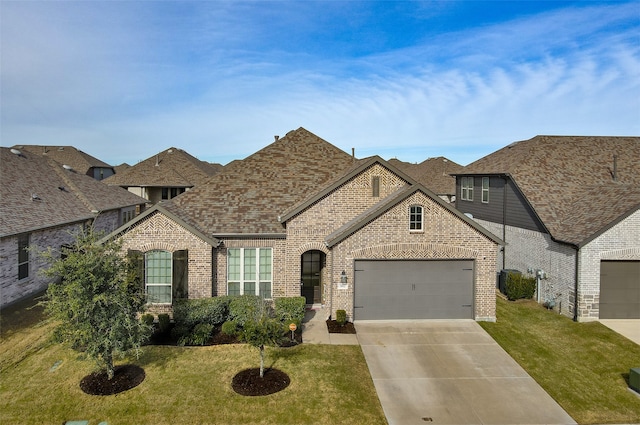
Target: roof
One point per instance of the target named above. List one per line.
(248, 196)
(80, 161)
(579, 186)
(38, 192)
(172, 167)
(432, 173)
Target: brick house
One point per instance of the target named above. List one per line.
(568, 209)
(302, 217)
(164, 175)
(42, 204)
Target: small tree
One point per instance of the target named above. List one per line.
(258, 333)
(96, 298)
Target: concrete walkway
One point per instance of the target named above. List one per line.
(629, 328)
(314, 330)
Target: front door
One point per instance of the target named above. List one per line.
(312, 264)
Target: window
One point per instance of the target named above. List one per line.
(23, 256)
(375, 185)
(172, 192)
(485, 190)
(249, 271)
(467, 189)
(415, 218)
(158, 273)
(128, 215)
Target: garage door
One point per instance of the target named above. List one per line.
(620, 290)
(386, 289)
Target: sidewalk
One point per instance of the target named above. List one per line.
(314, 330)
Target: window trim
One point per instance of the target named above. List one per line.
(23, 256)
(146, 277)
(485, 191)
(258, 282)
(466, 189)
(413, 224)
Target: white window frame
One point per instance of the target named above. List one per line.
(243, 280)
(24, 256)
(485, 190)
(466, 189)
(413, 224)
(158, 284)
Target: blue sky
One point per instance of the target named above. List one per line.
(122, 80)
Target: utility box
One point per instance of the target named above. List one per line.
(634, 379)
(502, 280)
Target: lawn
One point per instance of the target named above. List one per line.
(583, 366)
(329, 384)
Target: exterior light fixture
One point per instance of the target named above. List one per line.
(343, 277)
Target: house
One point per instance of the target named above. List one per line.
(302, 217)
(41, 204)
(568, 209)
(164, 175)
(79, 161)
(434, 173)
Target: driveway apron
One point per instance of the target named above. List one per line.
(450, 372)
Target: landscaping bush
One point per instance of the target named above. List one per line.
(246, 308)
(229, 327)
(341, 317)
(191, 312)
(147, 319)
(198, 336)
(164, 322)
(290, 310)
(519, 286)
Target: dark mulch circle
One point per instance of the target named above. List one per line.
(335, 328)
(249, 383)
(125, 377)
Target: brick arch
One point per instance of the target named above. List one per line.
(621, 254)
(414, 250)
(310, 246)
(157, 245)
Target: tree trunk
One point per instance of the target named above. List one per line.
(262, 361)
(109, 364)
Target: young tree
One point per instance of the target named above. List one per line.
(96, 298)
(258, 333)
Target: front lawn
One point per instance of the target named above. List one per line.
(188, 385)
(583, 366)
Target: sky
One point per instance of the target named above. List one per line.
(124, 80)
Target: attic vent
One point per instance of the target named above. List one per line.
(35, 197)
(67, 167)
(170, 151)
(16, 152)
(276, 137)
(62, 188)
(61, 148)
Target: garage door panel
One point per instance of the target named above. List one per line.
(413, 289)
(620, 290)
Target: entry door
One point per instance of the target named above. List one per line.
(312, 263)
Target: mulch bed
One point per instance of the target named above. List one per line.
(335, 328)
(249, 383)
(125, 377)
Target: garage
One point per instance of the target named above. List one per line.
(620, 290)
(413, 289)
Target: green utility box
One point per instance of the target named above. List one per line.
(634, 379)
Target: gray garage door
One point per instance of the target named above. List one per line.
(386, 289)
(620, 290)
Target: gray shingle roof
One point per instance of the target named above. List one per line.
(78, 160)
(569, 182)
(432, 173)
(170, 168)
(247, 196)
(37, 192)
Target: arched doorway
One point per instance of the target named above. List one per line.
(312, 265)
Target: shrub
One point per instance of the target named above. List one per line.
(246, 308)
(147, 319)
(229, 327)
(191, 312)
(341, 317)
(180, 331)
(164, 322)
(519, 286)
(198, 336)
(290, 310)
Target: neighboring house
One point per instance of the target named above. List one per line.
(568, 209)
(79, 161)
(302, 217)
(164, 175)
(41, 204)
(435, 174)
(121, 168)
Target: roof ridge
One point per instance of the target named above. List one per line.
(76, 191)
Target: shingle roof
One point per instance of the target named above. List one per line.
(569, 180)
(247, 196)
(78, 160)
(433, 173)
(37, 192)
(170, 168)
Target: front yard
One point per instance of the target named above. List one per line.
(329, 384)
(583, 366)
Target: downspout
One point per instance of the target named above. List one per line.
(576, 298)
(504, 224)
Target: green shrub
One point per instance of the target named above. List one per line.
(198, 336)
(147, 319)
(518, 286)
(290, 310)
(341, 317)
(246, 308)
(230, 327)
(190, 312)
(164, 322)
(180, 331)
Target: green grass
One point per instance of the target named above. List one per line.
(329, 384)
(583, 366)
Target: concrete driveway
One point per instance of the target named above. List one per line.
(450, 372)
